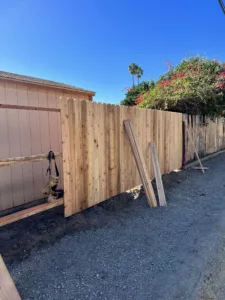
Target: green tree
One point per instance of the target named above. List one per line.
(136, 92)
(195, 86)
(133, 70)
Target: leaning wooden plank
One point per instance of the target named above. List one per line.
(142, 168)
(8, 290)
(26, 159)
(29, 212)
(196, 152)
(145, 174)
(158, 176)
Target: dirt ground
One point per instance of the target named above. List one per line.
(122, 249)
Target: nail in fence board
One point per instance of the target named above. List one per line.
(158, 176)
(142, 168)
(8, 290)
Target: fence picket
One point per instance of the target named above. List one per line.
(97, 158)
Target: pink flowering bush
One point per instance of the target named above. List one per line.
(195, 86)
(133, 95)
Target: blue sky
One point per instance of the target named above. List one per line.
(90, 43)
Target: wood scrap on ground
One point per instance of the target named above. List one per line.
(142, 168)
(196, 152)
(29, 212)
(199, 168)
(8, 289)
(158, 176)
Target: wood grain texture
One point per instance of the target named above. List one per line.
(8, 290)
(29, 212)
(208, 136)
(97, 158)
(141, 165)
(158, 176)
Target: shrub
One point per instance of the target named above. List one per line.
(136, 91)
(195, 86)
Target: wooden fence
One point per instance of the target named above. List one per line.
(97, 158)
(208, 136)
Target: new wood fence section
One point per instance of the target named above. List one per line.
(97, 158)
(208, 136)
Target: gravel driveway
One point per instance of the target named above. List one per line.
(124, 250)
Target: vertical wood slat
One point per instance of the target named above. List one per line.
(208, 136)
(97, 159)
(24, 128)
(6, 197)
(68, 158)
(14, 139)
(141, 165)
(90, 153)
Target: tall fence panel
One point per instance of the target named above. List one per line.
(97, 158)
(208, 136)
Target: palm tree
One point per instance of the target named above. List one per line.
(133, 70)
(222, 5)
(139, 73)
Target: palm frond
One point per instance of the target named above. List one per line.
(222, 5)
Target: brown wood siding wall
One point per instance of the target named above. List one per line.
(27, 132)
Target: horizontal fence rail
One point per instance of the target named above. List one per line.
(97, 158)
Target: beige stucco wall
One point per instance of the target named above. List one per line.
(24, 133)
